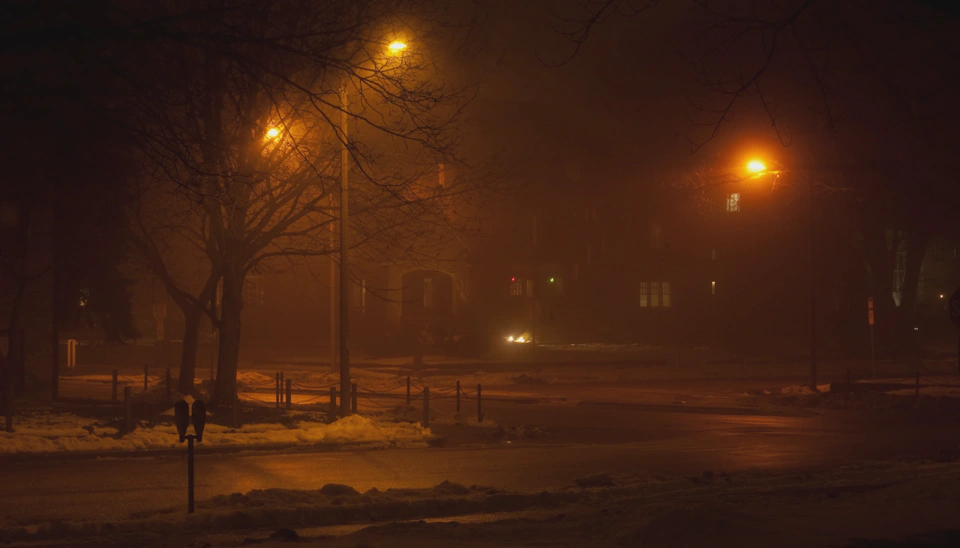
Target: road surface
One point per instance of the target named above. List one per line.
(585, 440)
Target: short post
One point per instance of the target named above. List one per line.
(408, 389)
(189, 474)
(333, 401)
(277, 391)
(458, 396)
(8, 403)
(146, 376)
(353, 400)
(289, 394)
(426, 407)
(127, 410)
(169, 384)
(236, 402)
(918, 384)
(479, 403)
(114, 397)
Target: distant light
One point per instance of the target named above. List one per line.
(520, 339)
(513, 279)
(941, 295)
(510, 338)
(916, 329)
(552, 280)
(756, 166)
(273, 132)
(397, 46)
(713, 288)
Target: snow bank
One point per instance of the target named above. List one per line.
(69, 433)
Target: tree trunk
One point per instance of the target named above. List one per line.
(916, 243)
(188, 355)
(229, 354)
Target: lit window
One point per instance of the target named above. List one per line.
(428, 292)
(733, 202)
(656, 235)
(644, 294)
(516, 287)
(665, 294)
(654, 293)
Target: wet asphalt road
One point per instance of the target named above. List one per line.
(581, 440)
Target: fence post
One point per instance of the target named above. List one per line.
(169, 389)
(458, 396)
(333, 402)
(408, 389)
(289, 393)
(426, 407)
(479, 403)
(8, 402)
(146, 376)
(353, 401)
(114, 397)
(127, 410)
(277, 391)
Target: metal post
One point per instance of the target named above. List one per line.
(169, 383)
(333, 402)
(289, 394)
(813, 289)
(9, 404)
(408, 389)
(873, 354)
(426, 407)
(277, 391)
(344, 262)
(114, 397)
(146, 376)
(236, 403)
(127, 410)
(479, 403)
(189, 474)
(458, 396)
(353, 401)
(333, 296)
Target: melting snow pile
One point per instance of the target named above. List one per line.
(60, 433)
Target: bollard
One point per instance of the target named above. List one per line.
(236, 403)
(408, 389)
(479, 403)
(458, 396)
(918, 384)
(190, 474)
(146, 376)
(169, 383)
(426, 407)
(8, 403)
(353, 401)
(127, 410)
(277, 391)
(289, 393)
(333, 402)
(114, 397)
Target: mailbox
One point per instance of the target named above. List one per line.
(199, 418)
(182, 418)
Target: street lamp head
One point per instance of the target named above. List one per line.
(273, 132)
(756, 166)
(396, 47)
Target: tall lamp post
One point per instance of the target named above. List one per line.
(759, 168)
(394, 48)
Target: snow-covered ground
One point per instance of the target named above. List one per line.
(55, 433)
(834, 508)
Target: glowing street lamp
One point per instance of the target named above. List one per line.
(396, 47)
(756, 167)
(273, 132)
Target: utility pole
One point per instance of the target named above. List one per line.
(344, 274)
(333, 294)
(813, 287)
